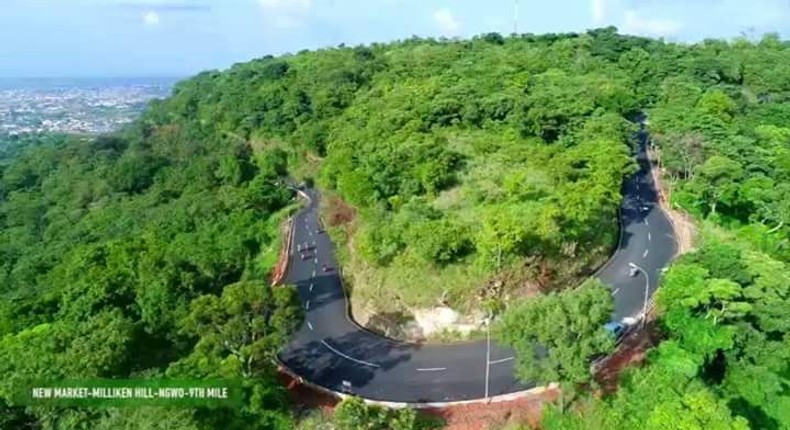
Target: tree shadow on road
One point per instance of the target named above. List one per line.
(355, 358)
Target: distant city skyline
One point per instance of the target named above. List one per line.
(75, 105)
(178, 38)
(71, 81)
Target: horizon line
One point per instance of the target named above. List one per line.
(100, 77)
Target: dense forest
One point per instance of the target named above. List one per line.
(142, 255)
(721, 126)
(461, 160)
(467, 164)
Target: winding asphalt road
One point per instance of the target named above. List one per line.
(330, 350)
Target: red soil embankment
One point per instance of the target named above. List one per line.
(281, 268)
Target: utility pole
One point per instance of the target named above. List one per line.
(647, 291)
(488, 352)
(515, 16)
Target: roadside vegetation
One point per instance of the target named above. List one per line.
(354, 414)
(556, 337)
(721, 126)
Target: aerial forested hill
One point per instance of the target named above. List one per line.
(473, 170)
(485, 168)
(463, 161)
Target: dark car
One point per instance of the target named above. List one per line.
(617, 329)
(306, 256)
(326, 268)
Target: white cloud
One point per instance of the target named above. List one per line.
(447, 23)
(635, 24)
(285, 14)
(598, 10)
(151, 18)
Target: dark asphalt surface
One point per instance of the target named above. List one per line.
(332, 351)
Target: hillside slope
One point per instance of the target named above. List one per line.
(476, 170)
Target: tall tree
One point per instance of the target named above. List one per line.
(556, 337)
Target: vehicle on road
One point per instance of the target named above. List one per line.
(633, 271)
(306, 256)
(319, 231)
(617, 329)
(326, 268)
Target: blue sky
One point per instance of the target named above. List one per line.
(66, 38)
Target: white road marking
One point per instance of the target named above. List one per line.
(647, 222)
(310, 325)
(431, 369)
(503, 360)
(307, 305)
(364, 363)
(615, 291)
(311, 288)
(310, 232)
(313, 273)
(316, 260)
(644, 254)
(649, 236)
